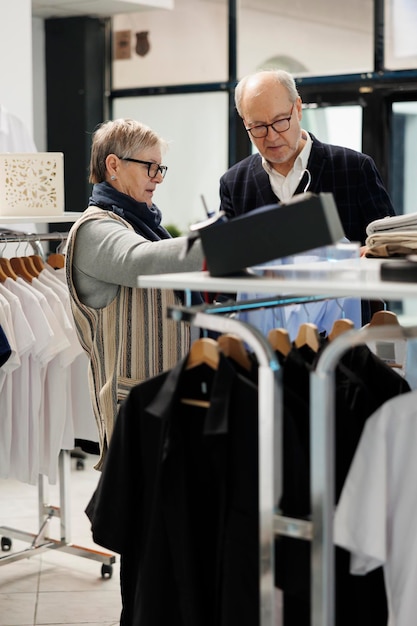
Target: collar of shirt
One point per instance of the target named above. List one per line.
(285, 186)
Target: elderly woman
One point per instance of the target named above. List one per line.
(123, 329)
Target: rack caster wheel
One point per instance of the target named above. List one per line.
(79, 465)
(106, 571)
(6, 544)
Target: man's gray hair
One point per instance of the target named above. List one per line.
(281, 76)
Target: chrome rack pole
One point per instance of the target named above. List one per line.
(41, 541)
(12, 236)
(270, 440)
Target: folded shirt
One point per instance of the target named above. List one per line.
(390, 223)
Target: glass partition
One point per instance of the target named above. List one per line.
(404, 156)
(338, 125)
(400, 34)
(195, 126)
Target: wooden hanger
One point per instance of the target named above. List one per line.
(233, 347)
(279, 339)
(380, 318)
(56, 260)
(37, 262)
(7, 268)
(30, 266)
(20, 268)
(308, 335)
(386, 318)
(204, 351)
(339, 327)
(3, 275)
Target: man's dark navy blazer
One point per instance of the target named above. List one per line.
(351, 176)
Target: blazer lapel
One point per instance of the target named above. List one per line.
(263, 186)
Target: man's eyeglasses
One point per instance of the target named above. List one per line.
(153, 168)
(280, 126)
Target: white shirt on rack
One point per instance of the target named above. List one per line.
(48, 278)
(12, 319)
(26, 417)
(21, 400)
(375, 516)
(54, 405)
(84, 423)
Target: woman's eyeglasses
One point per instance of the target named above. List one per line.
(153, 168)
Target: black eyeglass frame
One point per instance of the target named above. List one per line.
(160, 168)
(266, 126)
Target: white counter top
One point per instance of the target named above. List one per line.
(358, 278)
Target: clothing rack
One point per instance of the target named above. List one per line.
(363, 281)
(40, 541)
(322, 460)
(270, 428)
(34, 239)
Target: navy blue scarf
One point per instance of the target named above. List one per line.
(145, 220)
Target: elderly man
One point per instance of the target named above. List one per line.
(289, 159)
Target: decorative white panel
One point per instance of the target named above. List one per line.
(31, 184)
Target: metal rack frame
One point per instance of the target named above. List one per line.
(270, 428)
(362, 282)
(322, 414)
(40, 541)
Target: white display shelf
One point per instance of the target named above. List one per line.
(360, 279)
(39, 219)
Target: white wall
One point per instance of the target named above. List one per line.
(321, 48)
(187, 45)
(16, 84)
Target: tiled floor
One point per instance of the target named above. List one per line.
(54, 587)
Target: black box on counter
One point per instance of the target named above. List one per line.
(274, 231)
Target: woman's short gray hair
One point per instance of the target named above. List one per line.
(281, 76)
(122, 137)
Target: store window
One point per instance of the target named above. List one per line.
(195, 126)
(400, 34)
(404, 156)
(338, 125)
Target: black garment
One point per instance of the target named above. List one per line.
(363, 382)
(90, 447)
(5, 349)
(178, 499)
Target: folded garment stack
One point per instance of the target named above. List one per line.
(392, 236)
